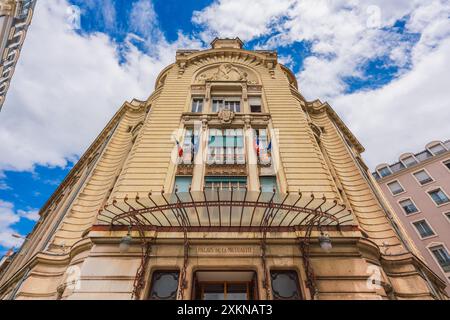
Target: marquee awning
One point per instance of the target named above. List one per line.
(225, 208)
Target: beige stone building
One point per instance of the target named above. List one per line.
(15, 18)
(224, 184)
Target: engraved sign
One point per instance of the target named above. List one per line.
(225, 250)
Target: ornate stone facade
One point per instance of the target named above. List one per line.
(15, 18)
(160, 181)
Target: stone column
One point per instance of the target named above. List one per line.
(201, 156)
(252, 157)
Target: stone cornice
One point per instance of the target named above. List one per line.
(410, 258)
(317, 107)
(186, 58)
(48, 259)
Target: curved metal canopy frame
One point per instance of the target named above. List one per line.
(225, 208)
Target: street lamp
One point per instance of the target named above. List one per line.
(125, 242)
(325, 242)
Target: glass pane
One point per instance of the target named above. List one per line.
(268, 183)
(437, 149)
(164, 285)
(384, 172)
(395, 187)
(285, 285)
(408, 206)
(422, 177)
(423, 228)
(237, 291)
(447, 164)
(183, 183)
(214, 292)
(439, 197)
(409, 161)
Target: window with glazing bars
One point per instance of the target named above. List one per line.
(395, 187)
(197, 105)
(384, 172)
(423, 228)
(437, 149)
(423, 177)
(409, 161)
(226, 146)
(442, 256)
(190, 146)
(229, 103)
(408, 206)
(225, 182)
(439, 197)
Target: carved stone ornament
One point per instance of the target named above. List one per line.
(226, 72)
(226, 116)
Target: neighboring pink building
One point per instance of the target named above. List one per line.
(418, 189)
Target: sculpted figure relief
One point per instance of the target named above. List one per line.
(225, 72)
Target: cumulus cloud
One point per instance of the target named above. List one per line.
(344, 36)
(405, 114)
(8, 218)
(246, 19)
(67, 86)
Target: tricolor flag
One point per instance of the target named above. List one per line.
(257, 145)
(269, 148)
(180, 149)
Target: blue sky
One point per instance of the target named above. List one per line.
(386, 58)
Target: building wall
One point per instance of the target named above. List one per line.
(428, 210)
(133, 156)
(15, 18)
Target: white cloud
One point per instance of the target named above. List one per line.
(67, 86)
(404, 115)
(344, 37)
(8, 218)
(243, 19)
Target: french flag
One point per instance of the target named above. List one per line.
(257, 145)
(180, 149)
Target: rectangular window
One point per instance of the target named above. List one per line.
(225, 183)
(268, 183)
(423, 177)
(395, 187)
(384, 172)
(164, 285)
(255, 104)
(263, 146)
(182, 183)
(409, 161)
(234, 106)
(285, 285)
(437, 149)
(442, 256)
(447, 164)
(190, 146)
(408, 206)
(439, 197)
(197, 105)
(229, 103)
(226, 146)
(423, 228)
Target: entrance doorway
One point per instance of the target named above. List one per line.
(225, 285)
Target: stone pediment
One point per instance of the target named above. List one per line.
(226, 72)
